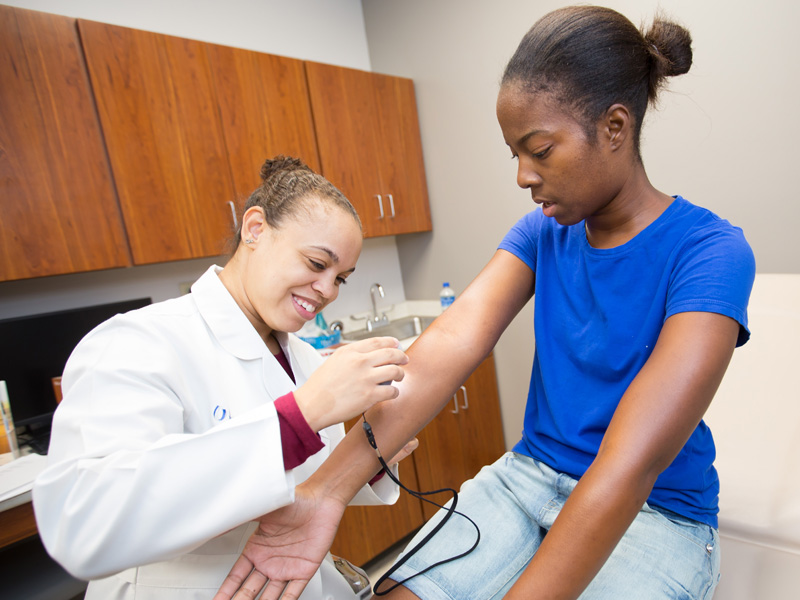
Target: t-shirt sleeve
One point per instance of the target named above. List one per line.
(714, 273)
(521, 239)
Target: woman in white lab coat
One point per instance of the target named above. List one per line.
(183, 422)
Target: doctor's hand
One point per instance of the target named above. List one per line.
(349, 382)
(286, 549)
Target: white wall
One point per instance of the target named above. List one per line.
(330, 31)
(725, 137)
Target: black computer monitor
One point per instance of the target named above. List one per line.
(35, 348)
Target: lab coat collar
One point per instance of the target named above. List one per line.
(236, 334)
(303, 359)
(224, 317)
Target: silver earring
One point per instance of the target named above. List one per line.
(249, 241)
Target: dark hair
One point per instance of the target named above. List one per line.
(591, 57)
(289, 189)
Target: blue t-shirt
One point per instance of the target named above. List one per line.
(598, 314)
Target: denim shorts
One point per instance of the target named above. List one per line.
(514, 502)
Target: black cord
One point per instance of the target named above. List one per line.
(450, 510)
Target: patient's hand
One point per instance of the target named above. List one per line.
(289, 545)
(286, 549)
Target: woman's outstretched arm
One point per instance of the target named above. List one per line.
(439, 362)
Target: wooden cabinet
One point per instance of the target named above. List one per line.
(204, 118)
(60, 211)
(16, 524)
(120, 146)
(465, 436)
(155, 95)
(265, 111)
(369, 144)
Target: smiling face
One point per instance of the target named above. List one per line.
(572, 175)
(290, 273)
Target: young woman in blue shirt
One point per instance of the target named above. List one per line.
(640, 299)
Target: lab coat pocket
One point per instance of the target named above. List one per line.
(193, 576)
(190, 571)
(188, 577)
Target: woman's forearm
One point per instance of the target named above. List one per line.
(395, 422)
(440, 361)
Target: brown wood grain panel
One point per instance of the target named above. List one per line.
(342, 101)
(159, 113)
(370, 146)
(265, 111)
(17, 524)
(60, 211)
(402, 167)
(455, 446)
(480, 422)
(439, 457)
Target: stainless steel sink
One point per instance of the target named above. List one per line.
(403, 328)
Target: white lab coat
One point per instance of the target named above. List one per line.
(167, 446)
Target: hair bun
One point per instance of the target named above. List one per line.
(673, 45)
(282, 164)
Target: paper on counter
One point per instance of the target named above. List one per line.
(17, 477)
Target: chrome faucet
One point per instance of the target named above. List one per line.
(375, 320)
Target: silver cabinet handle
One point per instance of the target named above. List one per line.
(233, 214)
(380, 205)
(391, 204)
(465, 406)
(455, 403)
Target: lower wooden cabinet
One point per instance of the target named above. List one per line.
(466, 435)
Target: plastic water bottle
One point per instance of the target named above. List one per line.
(447, 295)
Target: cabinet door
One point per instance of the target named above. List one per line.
(162, 128)
(265, 111)
(479, 419)
(60, 211)
(465, 436)
(342, 101)
(366, 531)
(439, 458)
(369, 145)
(403, 184)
